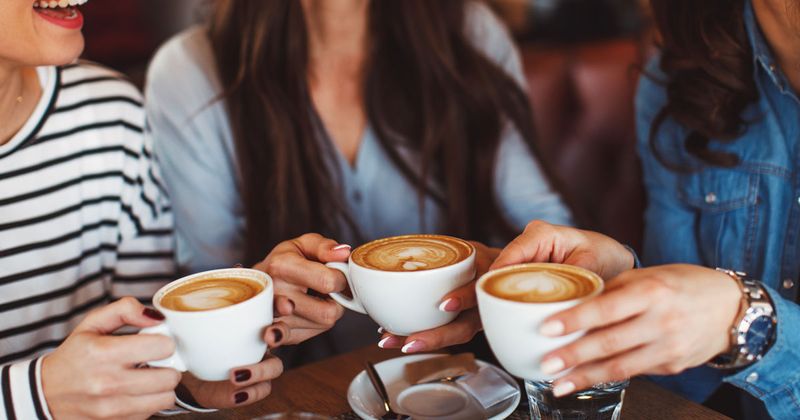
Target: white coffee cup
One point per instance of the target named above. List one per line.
(404, 302)
(212, 342)
(512, 327)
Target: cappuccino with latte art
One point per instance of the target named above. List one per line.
(207, 294)
(412, 253)
(541, 284)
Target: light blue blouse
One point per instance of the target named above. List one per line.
(195, 147)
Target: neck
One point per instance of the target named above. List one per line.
(19, 94)
(780, 22)
(336, 27)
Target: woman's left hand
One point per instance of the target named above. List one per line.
(660, 320)
(246, 385)
(463, 328)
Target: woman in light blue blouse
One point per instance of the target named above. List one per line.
(352, 119)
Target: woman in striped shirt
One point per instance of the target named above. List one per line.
(83, 221)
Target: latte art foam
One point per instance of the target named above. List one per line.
(412, 253)
(207, 294)
(529, 284)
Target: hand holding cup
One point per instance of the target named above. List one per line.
(94, 374)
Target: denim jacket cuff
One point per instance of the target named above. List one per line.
(775, 379)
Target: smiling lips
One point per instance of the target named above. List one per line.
(63, 13)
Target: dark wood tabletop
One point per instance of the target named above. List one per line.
(322, 388)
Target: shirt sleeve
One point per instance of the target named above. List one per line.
(21, 394)
(775, 379)
(192, 141)
(145, 256)
(523, 190)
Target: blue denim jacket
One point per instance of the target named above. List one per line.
(745, 218)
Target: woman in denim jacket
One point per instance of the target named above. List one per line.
(719, 129)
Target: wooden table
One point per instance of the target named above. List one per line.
(322, 388)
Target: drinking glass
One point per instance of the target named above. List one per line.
(600, 402)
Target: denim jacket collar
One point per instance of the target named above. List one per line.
(762, 54)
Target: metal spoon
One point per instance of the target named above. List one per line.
(380, 388)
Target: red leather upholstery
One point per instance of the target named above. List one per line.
(582, 98)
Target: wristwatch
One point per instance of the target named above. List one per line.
(753, 332)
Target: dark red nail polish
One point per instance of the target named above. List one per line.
(153, 314)
(242, 375)
(277, 335)
(240, 397)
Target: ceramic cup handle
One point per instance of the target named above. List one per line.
(353, 304)
(174, 361)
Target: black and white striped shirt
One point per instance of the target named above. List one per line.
(83, 220)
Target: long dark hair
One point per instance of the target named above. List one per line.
(708, 61)
(426, 86)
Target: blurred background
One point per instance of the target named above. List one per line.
(582, 59)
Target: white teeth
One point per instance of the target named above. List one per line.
(52, 4)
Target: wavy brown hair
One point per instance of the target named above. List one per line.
(426, 86)
(708, 61)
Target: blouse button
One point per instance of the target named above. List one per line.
(772, 67)
(788, 284)
(711, 198)
(751, 378)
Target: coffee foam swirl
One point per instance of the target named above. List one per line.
(528, 284)
(207, 294)
(412, 253)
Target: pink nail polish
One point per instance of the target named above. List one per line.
(413, 347)
(450, 305)
(552, 328)
(390, 342)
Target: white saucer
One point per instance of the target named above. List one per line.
(451, 401)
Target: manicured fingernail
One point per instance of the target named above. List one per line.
(564, 388)
(552, 328)
(277, 335)
(450, 305)
(242, 375)
(413, 347)
(380, 330)
(552, 365)
(390, 342)
(291, 302)
(240, 397)
(153, 314)
(341, 247)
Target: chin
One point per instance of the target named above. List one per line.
(63, 52)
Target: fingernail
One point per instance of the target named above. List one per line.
(380, 330)
(564, 388)
(413, 347)
(242, 375)
(277, 335)
(450, 305)
(153, 314)
(552, 365)
(552, 328)
(291, 302)
(341, 247)
(390, 342)
(240, 397)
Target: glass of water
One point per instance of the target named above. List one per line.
(600, 402)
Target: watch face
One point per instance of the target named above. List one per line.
(758, 335)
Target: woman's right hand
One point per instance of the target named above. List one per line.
(94, 375)
(297, 266)
(543, 242)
